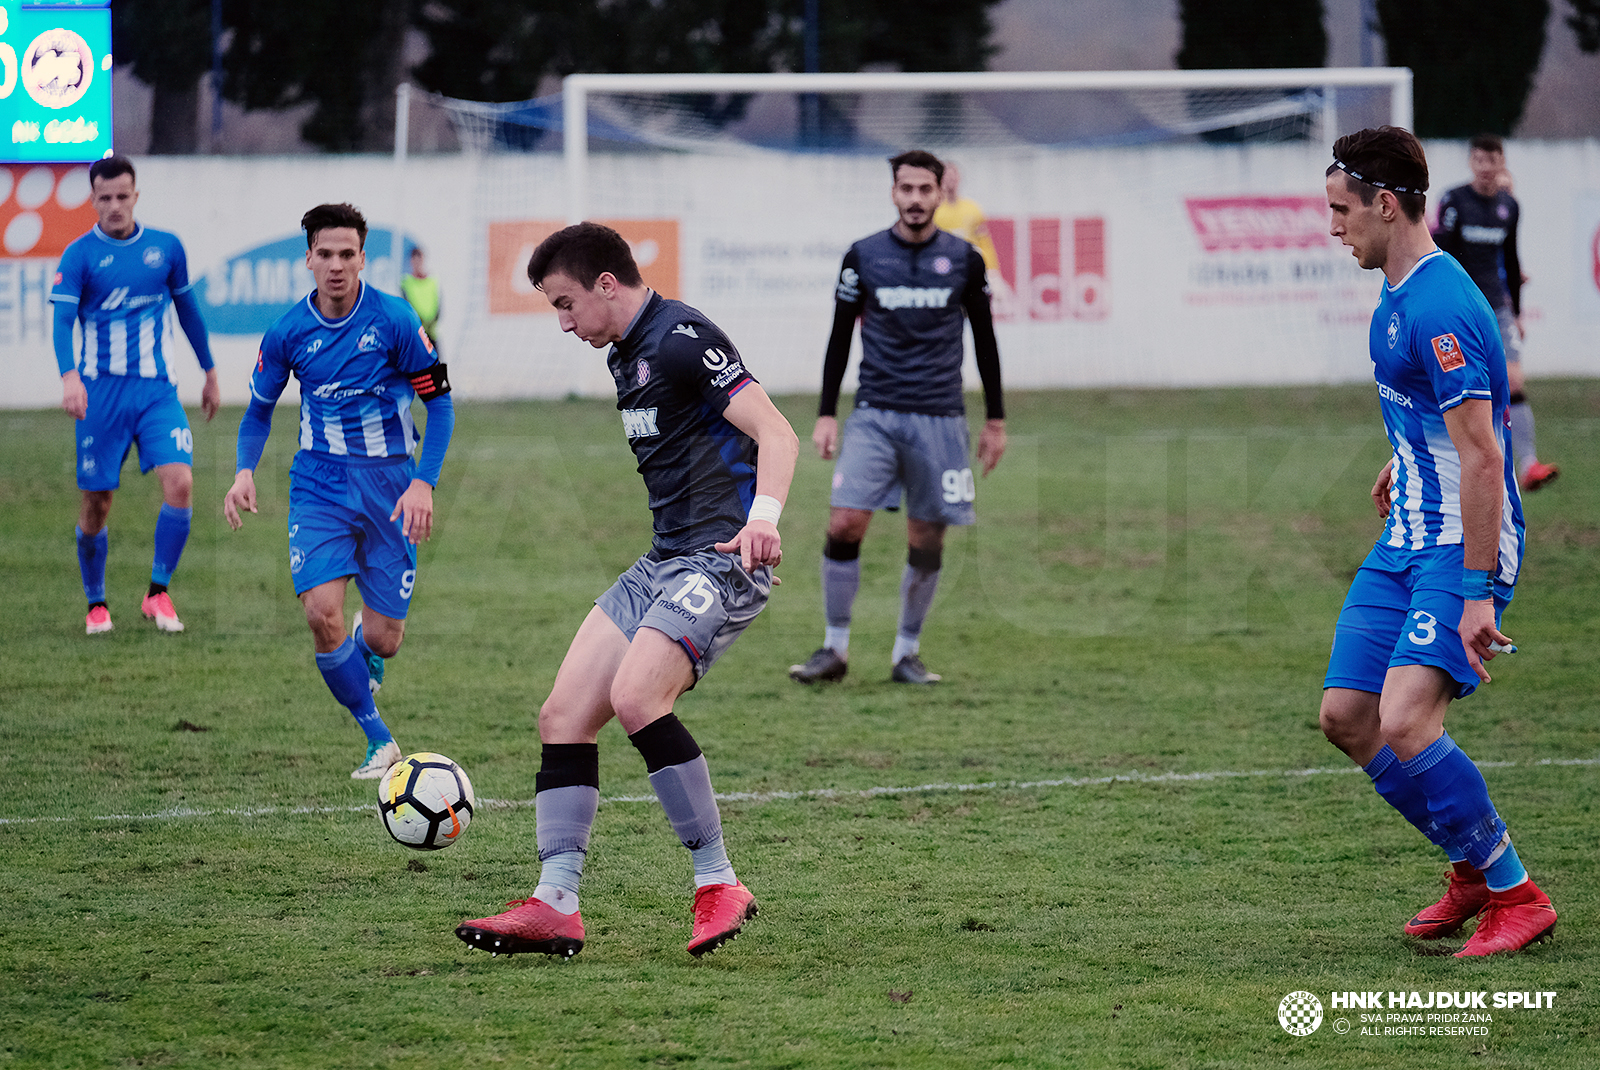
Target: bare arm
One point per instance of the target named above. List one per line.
(1471, 428)
(753, 412)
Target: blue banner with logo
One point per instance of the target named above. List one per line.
(248, 291)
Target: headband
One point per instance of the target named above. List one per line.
(1392, 187)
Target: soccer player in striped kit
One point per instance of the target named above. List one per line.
(1423, 614)
(358, 503)
(117, 280)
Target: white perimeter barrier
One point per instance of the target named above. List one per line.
(1160, 266)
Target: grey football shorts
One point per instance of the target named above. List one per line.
(702, 601)
(1508, 333)
(885, 454)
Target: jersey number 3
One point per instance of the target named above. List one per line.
(1427, 629)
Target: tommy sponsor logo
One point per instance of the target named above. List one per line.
(1394, 330)
(152, 257)
(1484, 235)
(368, 341)
(685, 328)
(1447, 351)
(640, 423)
(1389, 393)
(893, 298)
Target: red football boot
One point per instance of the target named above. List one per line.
(1513, 919)
(720, 911)
(531, 926)
(1468, 893)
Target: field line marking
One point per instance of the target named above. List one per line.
(180, 812)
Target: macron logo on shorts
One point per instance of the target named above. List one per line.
(891, 298)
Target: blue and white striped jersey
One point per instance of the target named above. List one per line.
(355, 374)
(122, 288)
(1435, 344)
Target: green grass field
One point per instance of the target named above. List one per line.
(1114, 835)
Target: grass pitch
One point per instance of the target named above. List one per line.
(1113, 837)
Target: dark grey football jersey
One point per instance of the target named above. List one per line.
(676, 372)
(912, 300)
(1481, 232)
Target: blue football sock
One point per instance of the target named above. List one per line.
(347, 677)
(1506, 871)
(1402, 793)
(92, 563)
(172, 533)
(1458, 799)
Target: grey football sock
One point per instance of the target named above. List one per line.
(917, 588)
(840, 582)
(691, 808)
(564, 817)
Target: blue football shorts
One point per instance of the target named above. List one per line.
(339, 526)
(884, 454)
(124, 410)
(1403, 609)
(703, 601)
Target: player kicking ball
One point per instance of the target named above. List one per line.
(717, 458)
(358, 503)
(1423, 615)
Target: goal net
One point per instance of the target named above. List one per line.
(1141, 228)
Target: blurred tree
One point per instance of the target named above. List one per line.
(1585, 23)
(1238, 34)
(1473, 60)
(168, 43)
(500, 49)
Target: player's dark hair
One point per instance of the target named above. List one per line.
(917, 158)
(110, 168)
(330, 216)
(583, 252)
(1488, 143)
(1384, 158)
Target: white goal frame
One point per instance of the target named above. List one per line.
(577, 88)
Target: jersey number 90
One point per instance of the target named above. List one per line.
(958, 485)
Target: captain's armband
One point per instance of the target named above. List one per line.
(432, 382)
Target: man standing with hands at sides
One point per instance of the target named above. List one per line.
(1478, 226)
(717, 458)
(117, 280)
(1423, 614)
(358, 503)
(912, 286)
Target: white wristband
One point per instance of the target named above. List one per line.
(767, 508)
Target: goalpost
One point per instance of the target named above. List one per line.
(578, 89)
(1145, 228)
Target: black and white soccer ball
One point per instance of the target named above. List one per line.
(425, 801)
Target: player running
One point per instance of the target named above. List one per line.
(1423, 614)
(358, 503)
(1478, 226)
(117, 281)
(717, 458)
(910, 286)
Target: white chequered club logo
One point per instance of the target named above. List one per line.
(1300, 1014)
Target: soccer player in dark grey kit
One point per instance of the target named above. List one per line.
(911, 286)
(717, 457)
(1478, 226)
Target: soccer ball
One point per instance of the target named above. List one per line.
(425, 801)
